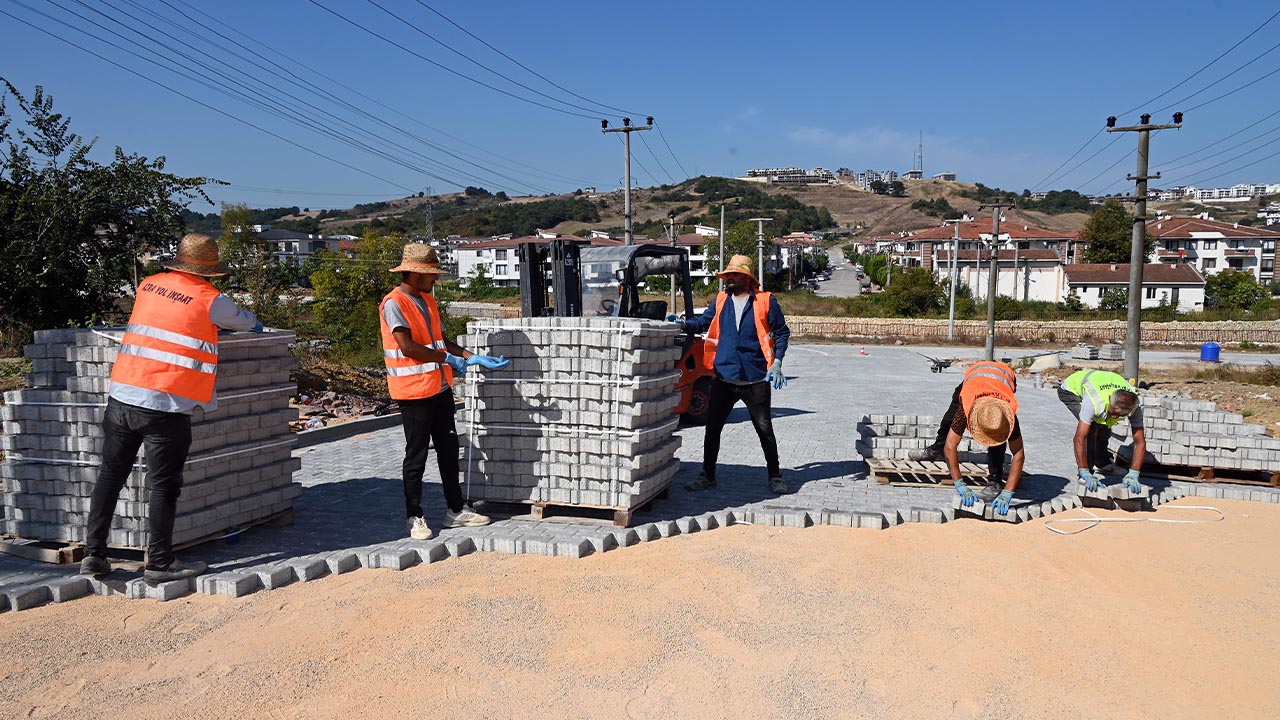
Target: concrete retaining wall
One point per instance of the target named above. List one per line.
(1059, 331)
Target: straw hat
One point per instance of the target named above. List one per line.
(742, 265)
(198, 255)
(419, 258)
(990, 421)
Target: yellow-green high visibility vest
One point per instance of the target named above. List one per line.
(1098, 385)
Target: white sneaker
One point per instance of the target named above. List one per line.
(466, 517)
(418, 529)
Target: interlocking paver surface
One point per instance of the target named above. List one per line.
(351, 511)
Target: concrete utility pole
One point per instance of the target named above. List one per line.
(993, 279)
(671, 236)
(951, 289)
(721, 246)
(429, 218)
(626, 130)
(1138, 252)
(760, 246)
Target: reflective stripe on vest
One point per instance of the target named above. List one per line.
(170, 345)
(409, 379)
(1101, 401)
(760, 305)
(988, 379)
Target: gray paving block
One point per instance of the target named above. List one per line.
(230, 584)
(64, 589)
(459, 546)
(604, 543)
(625, 537)
(306, 569)
(925, 515)
(573, 548)
(342, 561)
(429, 551)
(24, 597)
(273, 576)
(394, 558)
(688, 525)
(138, 589)
(647, 532)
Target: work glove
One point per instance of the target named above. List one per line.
(1091, 481)
(1131, 481)
(676, 319)
(776, 377)
(967, 498)
(458, 364)
(1001, 503)
(488, 362)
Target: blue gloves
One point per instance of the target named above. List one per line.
(1131, 482)
(1001, 503)
(488, 362)
(458, 364)
(676, 319)
(776, 377)
(967, 498)
(1091, 481)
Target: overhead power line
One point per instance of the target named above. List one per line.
(184, 95)
(655, 159)
(1079, 150)
(444, 67)
(673, 152)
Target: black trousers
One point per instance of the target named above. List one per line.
(758, 399)
(995, 453)
(166, 438)
(1095, 446)
(426, 422)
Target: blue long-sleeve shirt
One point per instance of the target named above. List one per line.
(739, 357)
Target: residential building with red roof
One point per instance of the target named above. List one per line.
(1180, 285)
(1213, 246)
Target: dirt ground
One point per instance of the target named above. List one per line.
(963, 620)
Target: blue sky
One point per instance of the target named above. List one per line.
(1003, 93)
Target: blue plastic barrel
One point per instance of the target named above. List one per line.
(1209, 352)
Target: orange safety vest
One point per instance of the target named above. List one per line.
(170, 344)
(988, 379)
(761, 306)
(408, 379)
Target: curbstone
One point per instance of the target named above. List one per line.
(27, 596)
(64, 589)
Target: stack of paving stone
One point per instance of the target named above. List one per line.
(895, 437)
(1195, 433)
(584, 414)
(1111, 351)
(239, 472)
(1083, 351)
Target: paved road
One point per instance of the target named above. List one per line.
(843, 282)
(1157, 357)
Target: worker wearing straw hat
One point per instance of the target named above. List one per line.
(985, 405)
(165, 369)
(746, 355)
(421, 365)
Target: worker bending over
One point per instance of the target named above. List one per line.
(746, 337)
(421, 364)
(984, 404)
(1100, 399)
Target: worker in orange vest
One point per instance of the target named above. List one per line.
(421, 365)
(165, 369)
(984, 404)
(746, 355)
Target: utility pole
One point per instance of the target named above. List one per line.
(993, 279)
(429, 217)
(1138, 252)
(721, 246)
(760, 246)
(626, 129)
(671, 236)
(951, 289)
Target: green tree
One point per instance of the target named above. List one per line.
(258, 279)
(878, 187)
(348, 291)
(1115, 298)
(739, 239)
(480, 284)
(71, 228)
(898, 189)
(914, 292)
(1108, 235)
(1233, 290)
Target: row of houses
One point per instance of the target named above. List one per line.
(1038, 264)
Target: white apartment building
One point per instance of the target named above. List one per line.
(791, 176)
(866, 177)
(1212, 246)
(1271, 213)
(1235, 193)
(1178, 285)
(947, 176)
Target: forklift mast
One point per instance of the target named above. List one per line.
(561, 259)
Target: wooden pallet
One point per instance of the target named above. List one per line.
(65, 553)
(1206, 474)
(914, 473)
(540, 510)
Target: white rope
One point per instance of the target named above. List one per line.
(1094, 520)
(112, 338)
(58, 404)
(291, 388)
(16, 458)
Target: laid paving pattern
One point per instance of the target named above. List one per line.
(350, 512)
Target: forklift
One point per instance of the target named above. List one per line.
(605, 282)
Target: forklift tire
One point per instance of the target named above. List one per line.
(699, 403)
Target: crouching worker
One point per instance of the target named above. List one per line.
(166, 368)
(984, 404)
(1100, 399)
(421, 365)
